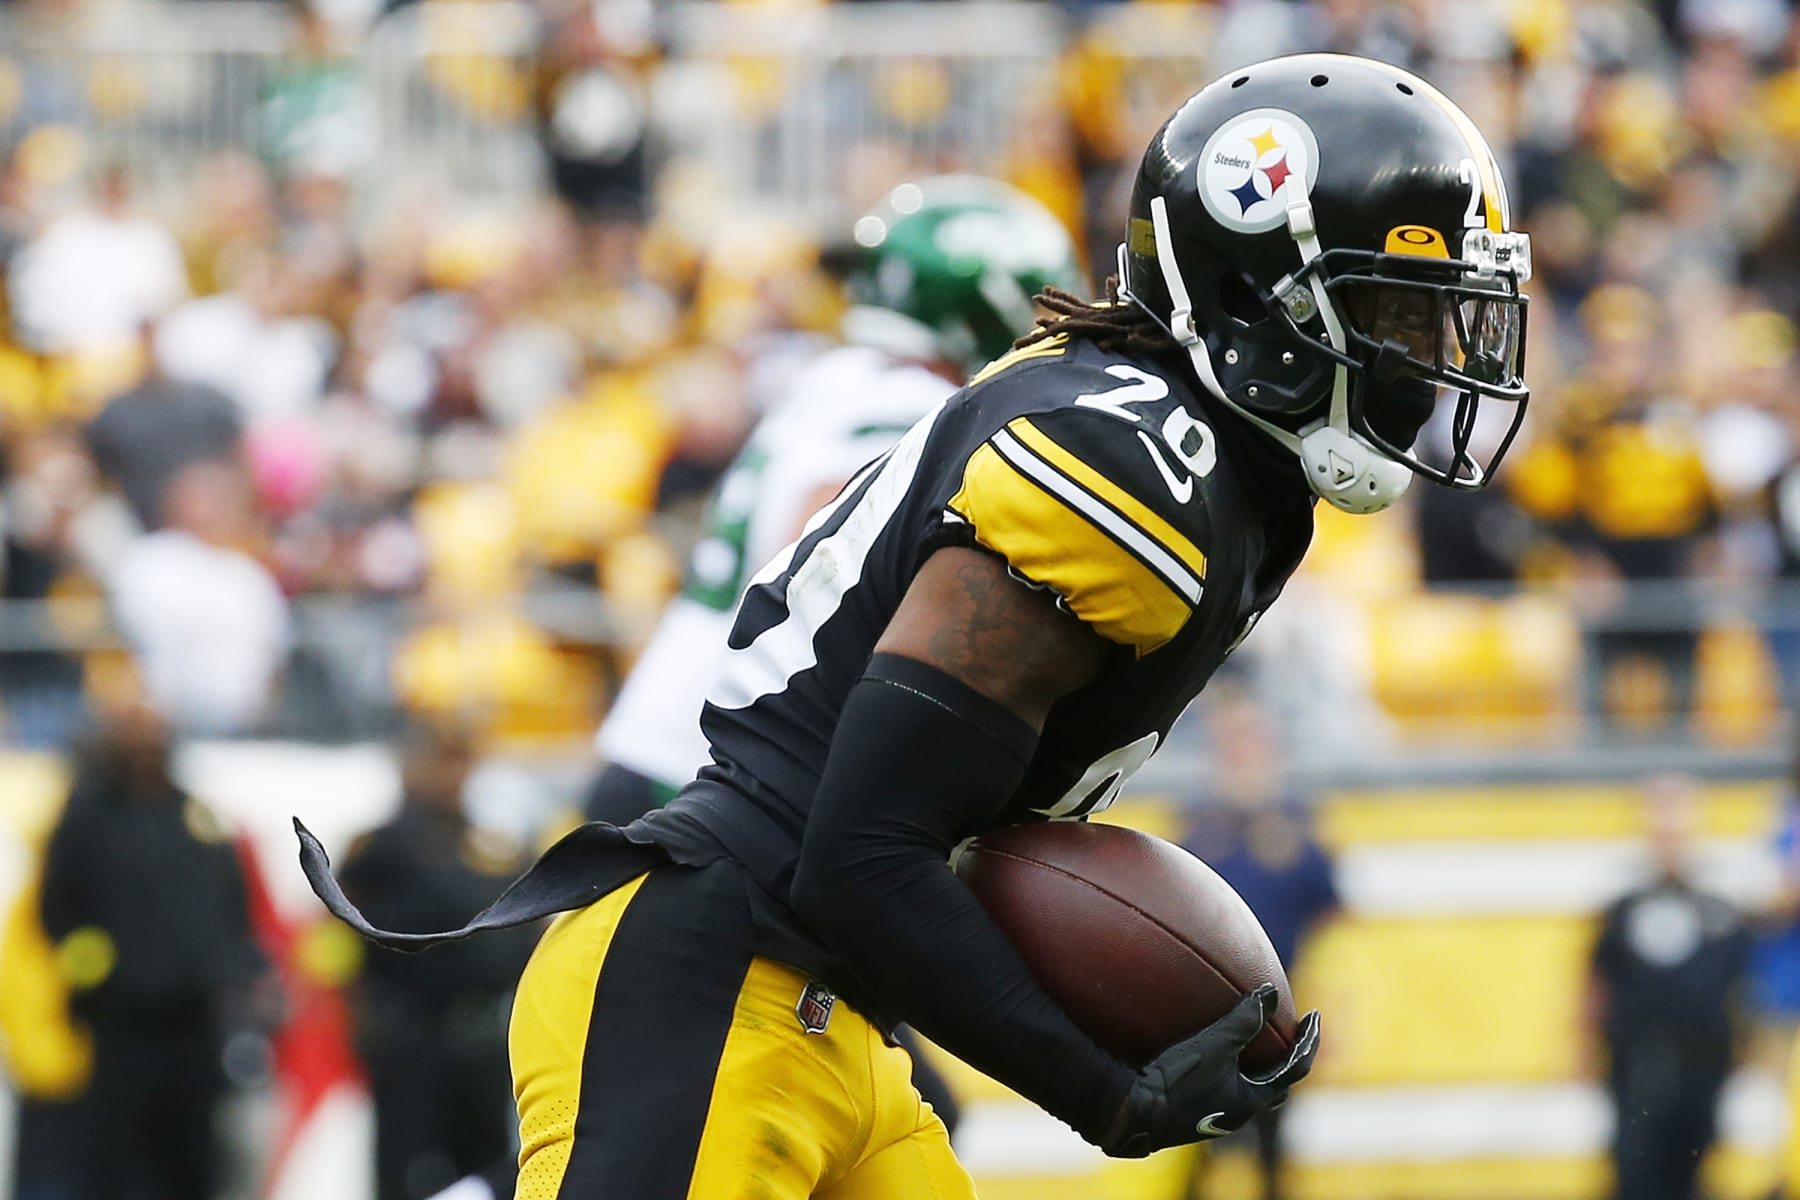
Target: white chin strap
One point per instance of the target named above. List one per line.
(1340, 466)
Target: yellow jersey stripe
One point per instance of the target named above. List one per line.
(1102, 583)
(1172, 540)
(1049, 347)
(1122, 531)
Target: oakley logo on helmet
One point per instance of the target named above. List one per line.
(1254, 166)
(1420, 240)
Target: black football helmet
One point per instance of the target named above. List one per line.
(1329, 237)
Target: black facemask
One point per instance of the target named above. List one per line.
(1399, 408)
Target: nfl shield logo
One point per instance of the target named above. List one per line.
(814, 1009)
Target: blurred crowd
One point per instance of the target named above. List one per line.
(291, 442)
(233, 400)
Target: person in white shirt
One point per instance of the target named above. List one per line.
(255, 343)
(207, 623)
(94, 276)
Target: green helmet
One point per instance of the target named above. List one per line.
(945, 268)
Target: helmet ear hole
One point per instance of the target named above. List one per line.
(1238, 300)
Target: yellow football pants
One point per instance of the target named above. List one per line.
(654, 1058)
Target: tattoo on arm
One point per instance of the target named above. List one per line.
(990, 630)
(966, 615)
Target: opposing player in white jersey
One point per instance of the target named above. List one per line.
(941, 282)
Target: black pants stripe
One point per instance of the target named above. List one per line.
(656, 1058)
(662, 1008)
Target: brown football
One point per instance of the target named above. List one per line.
(1140, 942)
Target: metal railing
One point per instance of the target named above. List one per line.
(435, 95)
(806, 103)
(784, 111)
(340, 681)
(151, 90)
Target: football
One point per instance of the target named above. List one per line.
(1140, 942)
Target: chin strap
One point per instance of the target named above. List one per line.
(1181, 323)
(1340, 467)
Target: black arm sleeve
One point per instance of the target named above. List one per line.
(920, 761)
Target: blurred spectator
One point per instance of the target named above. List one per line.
(145, 902)
(92, 277)
(592, 108)
(1746, 442)
(52, 521)
(228, 217)
(316, 122)
(1257, 834)
(432, 1029)
(259, 343)
(1666, 971)
(206, 621)
(1775, 958)
(1620, 475)
(150, 433)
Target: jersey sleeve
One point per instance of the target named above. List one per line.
(1091, 507)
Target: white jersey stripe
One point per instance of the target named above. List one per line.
(777, 566)
(817, 588)
(1120, 530)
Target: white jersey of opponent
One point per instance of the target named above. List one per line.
(844, 408)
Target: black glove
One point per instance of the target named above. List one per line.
(1195, 1090)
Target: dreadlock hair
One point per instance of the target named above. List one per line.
(1112, 324)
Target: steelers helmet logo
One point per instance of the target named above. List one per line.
(1254, 166)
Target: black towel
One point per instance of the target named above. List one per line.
(589, 862)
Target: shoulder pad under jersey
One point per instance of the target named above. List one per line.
(1094, 491)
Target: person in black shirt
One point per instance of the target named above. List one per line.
(1667, 969)
(144, 899)
(148, 434)
(432, 1032)
(1257, 832)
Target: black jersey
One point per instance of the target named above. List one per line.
(1161, 521)
(1162, 524)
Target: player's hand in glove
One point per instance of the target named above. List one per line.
(1195, 1090)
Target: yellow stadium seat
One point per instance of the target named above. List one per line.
(1361, 560)
(1503, 668)
(1404, 993)
(500, 672)
(1544, 812)
(1737, 697)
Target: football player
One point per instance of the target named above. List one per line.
(941, 278)
(1318, 296)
